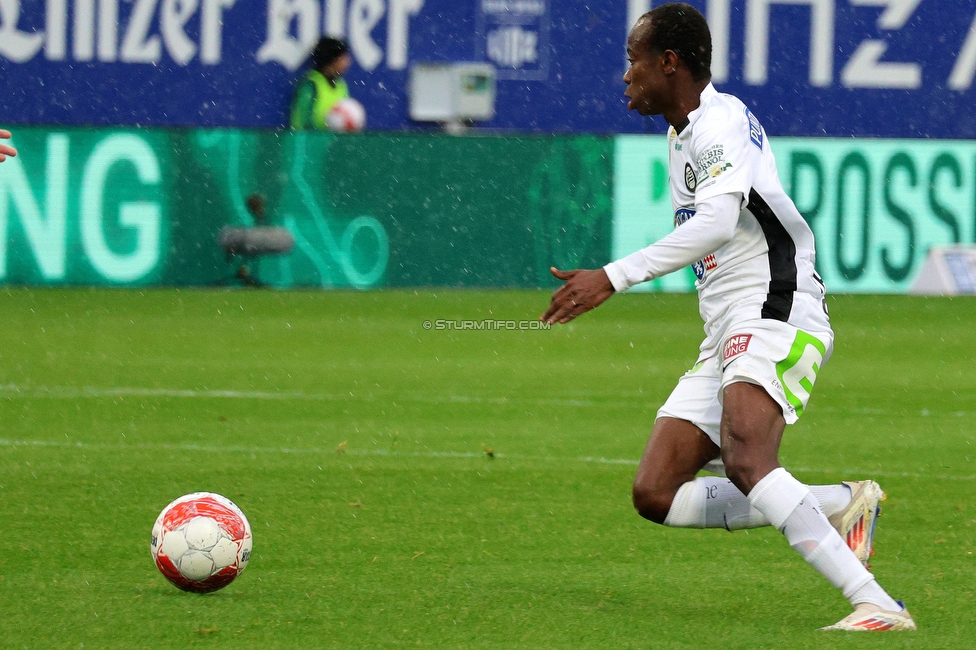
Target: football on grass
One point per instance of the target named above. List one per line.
(201, 542)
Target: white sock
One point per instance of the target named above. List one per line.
(832, 498)
(793, 510)
(726, 507)
(688, 506)
(714, 502)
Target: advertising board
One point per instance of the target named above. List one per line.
(882, 68)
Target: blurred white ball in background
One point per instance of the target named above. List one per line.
(347, 116)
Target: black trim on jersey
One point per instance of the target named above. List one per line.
(678, 128)
(782, 260)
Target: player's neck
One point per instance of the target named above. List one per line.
(687, 99)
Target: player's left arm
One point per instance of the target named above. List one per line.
(724, 167)
(720, 149)
(727, 155)
(585, 289)
(6, 150)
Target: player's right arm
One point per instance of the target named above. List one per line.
(6, 150)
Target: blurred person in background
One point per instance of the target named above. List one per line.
(322, 87)
(6, 150)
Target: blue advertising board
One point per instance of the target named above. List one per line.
(885, 68)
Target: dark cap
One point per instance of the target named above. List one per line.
(327, 50)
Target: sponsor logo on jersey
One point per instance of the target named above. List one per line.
(691, 181)
(755, 130)
(682, 215)
(677, 146)
(701, 267)
(714, 155)
(717, 170)
(736, 345)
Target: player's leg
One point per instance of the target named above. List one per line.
(785, 361)
(752, 428)
(675, 452)
(685, 438)
(715, 502)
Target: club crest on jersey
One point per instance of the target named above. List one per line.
(691, 181)
(736, 345)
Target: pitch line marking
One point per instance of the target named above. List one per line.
(852, 472)
(15, 391)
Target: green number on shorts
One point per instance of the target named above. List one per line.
(798, 371)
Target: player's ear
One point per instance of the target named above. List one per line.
(669, 62)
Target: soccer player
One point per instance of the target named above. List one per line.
(767, 332)
(6, 150)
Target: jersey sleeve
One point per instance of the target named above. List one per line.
(726, 157)
(302, 105)
(713, 226)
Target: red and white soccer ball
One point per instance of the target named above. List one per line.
(347, 116)
(201, 542)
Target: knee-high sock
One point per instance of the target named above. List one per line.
(791, 508)
(714, 502)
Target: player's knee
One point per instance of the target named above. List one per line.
(738, 472)
(747, 458)
(651, 502)
(745, 469)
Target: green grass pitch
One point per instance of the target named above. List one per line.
(458, 489)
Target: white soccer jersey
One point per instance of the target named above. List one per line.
(751, 250)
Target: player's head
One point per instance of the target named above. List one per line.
(681, 28)
(669, 48)
(331, 56)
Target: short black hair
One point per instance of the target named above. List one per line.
(683, 29)
(326, 51)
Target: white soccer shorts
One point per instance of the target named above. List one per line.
(783, 359)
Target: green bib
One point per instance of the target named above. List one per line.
(326, 96)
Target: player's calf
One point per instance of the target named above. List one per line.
(652, 501)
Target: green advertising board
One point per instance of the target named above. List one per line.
(876, 206)
(137, 207)
(53, 199)
(144, 207)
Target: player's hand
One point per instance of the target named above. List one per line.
(6, 150)
(584, 290)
